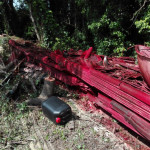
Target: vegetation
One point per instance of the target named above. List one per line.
(12, 113)
(109, 26)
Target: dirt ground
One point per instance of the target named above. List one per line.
(81, 133)
(88, 130)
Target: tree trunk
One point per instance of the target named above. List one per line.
(47, 92)
(48, 88)
(33, 21)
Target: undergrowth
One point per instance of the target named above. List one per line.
(13, 109)
(12, 112)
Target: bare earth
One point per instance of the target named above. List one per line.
(86, 131)
(81, 133)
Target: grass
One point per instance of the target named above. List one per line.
(11, 114)
(11, 111)
(14, 112)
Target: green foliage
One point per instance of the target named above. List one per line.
(65, 42)
(106, 25)
(45, 22)
(29, 32)
(109, 38)
(143, 26)
(22, 107)
(4, 43)
(11, 114)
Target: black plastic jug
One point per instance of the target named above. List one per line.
(57, 110)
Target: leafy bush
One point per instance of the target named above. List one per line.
(143, 26)
(106, 25)
(4, 43)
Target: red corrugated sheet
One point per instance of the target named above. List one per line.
(121, 90)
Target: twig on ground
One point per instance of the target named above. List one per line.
(18, 142)
(10, 65)
(10, 74)
(6, 78)
(2, 72)
(2, 62)
(13, 90)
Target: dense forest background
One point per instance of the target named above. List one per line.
(110, 26)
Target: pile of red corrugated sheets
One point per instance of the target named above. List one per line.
(120, 88)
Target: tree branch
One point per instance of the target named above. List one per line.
(33, 21)
(135, 15)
